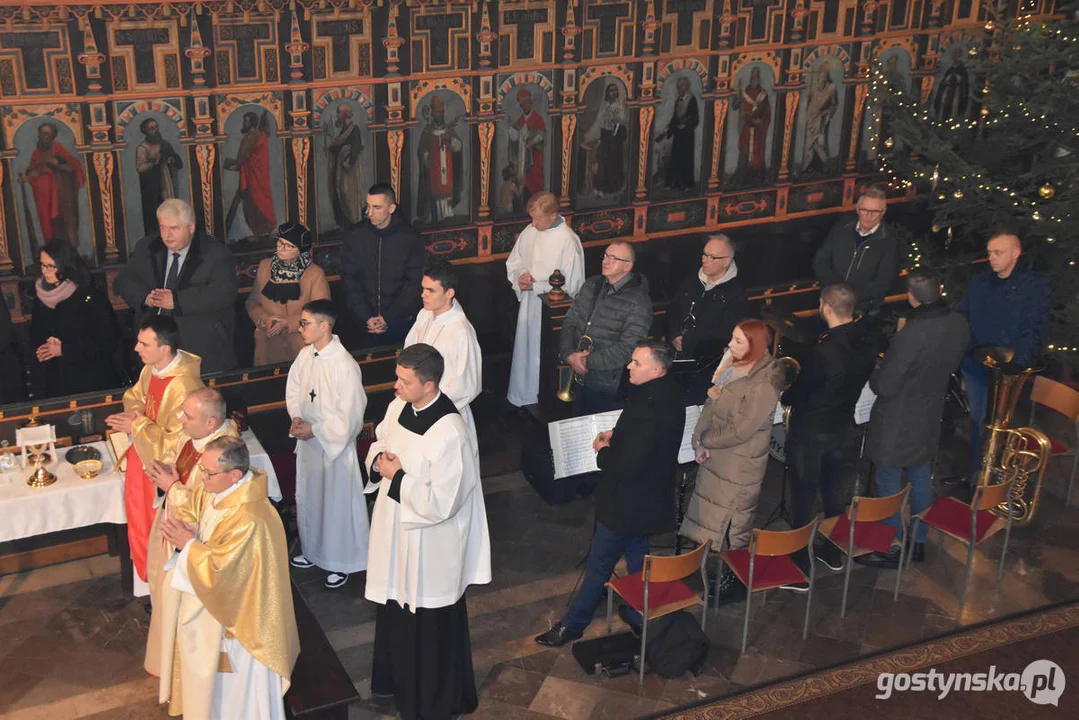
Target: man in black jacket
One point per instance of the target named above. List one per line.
(861, 253)
(635, 497)
(702, 316)
(822, 402)
(614, 310)
(382, 261)
(189, 275)
(911, 384)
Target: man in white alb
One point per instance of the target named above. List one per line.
(548, 244)
(234, 643)
(326, 401)
(443, 325)
(429, 542)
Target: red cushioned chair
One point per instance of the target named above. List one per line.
(658, 589)
(861, 532)
(1064, 400)
(971, 524)
(767, 564)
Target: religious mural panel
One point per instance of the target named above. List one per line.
(251, 162)
(818, 133)
(153, 163)
(679, 133)
(895, 66)
(522, 147)
(440, 160)
(605, 142)
(751, 127)
(51, 197)
(953, 97)
(344, 157)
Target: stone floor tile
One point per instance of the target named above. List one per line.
(511, 685)
(565, 699)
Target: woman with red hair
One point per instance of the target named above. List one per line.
(731, 441)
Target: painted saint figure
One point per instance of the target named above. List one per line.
(441, 165)
(158, 165)
(754, 118)
(55, 175)
(346, 186)
(953, 96)
(681, 131)
(605, 142)
(255, 192)
(527, 138)
(821, 106)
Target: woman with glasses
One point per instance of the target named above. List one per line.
(72, 327)
(284, 283)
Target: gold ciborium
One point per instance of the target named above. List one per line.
(41, 476)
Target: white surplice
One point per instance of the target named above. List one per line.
(539, 252)
(454, 337)
(250, 690)
(432, 542)
(325, 388)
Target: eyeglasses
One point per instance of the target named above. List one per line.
(706, 256)
(48, 266)
(305, 323)
(608, 256)
(285, 245)
(868, 211)
(209, 474)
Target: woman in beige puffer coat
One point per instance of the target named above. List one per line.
(731, 440)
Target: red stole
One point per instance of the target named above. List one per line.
(189, 457)
(139, 492)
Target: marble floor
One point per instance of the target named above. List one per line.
(71, 644)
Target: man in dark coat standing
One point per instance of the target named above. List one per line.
(635, 497)
(862, 253)
(822, 402)
(382, 261)
(189, 275)
(702, 316)
(1006, 306)
(911, 383)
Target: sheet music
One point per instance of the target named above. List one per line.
(862, 408)
(571, 440)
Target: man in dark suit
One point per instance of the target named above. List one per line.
(911, 383)
(635, 497)
(189, 275)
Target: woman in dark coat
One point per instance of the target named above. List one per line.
(72, 328)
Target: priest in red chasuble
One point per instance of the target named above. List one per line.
(203, 419)
(151, 417)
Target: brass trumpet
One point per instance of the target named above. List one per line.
(566, 394)
(790, 368)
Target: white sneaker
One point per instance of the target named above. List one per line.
(301, 562)
(336, 580)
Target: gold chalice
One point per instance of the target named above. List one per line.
(41, 476)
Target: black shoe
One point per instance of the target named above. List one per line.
(800, 587)
(558, 636)
(829, 555)
(888, 560)
(634, 625)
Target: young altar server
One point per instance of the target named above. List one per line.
(443, 325)
(326, 401)
(203, 419)
(151, 417)
(548, 244)
(235, 642)
(429, 542)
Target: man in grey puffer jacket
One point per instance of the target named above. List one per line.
(615, 310)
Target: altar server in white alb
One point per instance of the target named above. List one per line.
(443, 325)
(326, 401)
(548, 244)
(234, 644)
(429, 542)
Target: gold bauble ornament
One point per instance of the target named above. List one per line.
(958, 194)
(973, 52)
(935, 228)
(889, 143)
(985, 112)
(1047, 191)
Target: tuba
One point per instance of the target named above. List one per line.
(566, 394)
(1024, 456)
(1005, 385)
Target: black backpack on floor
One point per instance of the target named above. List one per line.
(676, 644)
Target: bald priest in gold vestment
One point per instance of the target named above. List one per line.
(235, 641)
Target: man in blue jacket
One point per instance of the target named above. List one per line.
(1007, 305)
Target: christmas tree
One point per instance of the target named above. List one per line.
(996, 146)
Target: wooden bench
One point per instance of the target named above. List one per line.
(321, 689)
